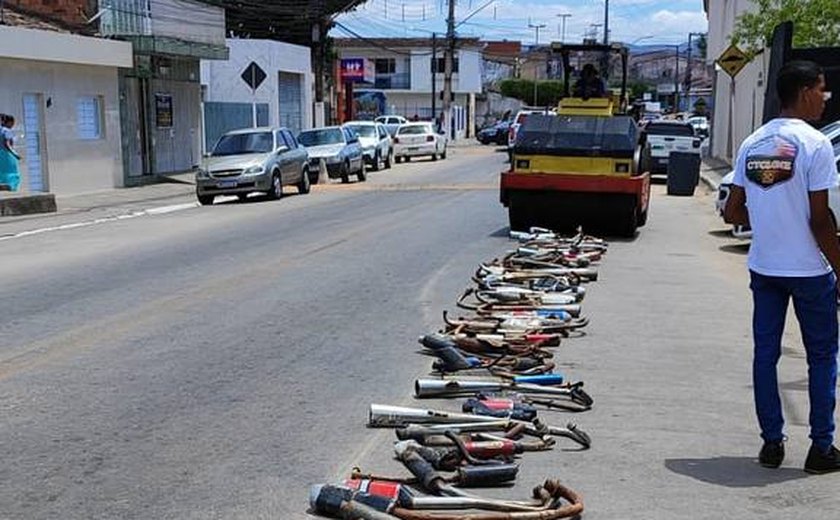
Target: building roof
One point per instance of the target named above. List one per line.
(401, 43)
(502, 49)
(15, 17)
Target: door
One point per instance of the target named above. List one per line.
(33, 142)
(291, 101)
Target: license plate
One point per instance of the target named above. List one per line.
(226, 184)
(657, 147)
(413, 148)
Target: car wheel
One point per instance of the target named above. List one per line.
(206, 200)
(407, 159)
(377, 162)
(345, 172)
(443, 155)
(361, 176)
(305, 181)
(434, 157)
(276, 190)
(398, 159)
(242, 197)
(389, 160)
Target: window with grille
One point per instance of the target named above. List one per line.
(386, 66)
(89, 118)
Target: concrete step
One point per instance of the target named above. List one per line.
(26, 204)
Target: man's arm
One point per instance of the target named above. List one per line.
(824, 228)
(735, 211)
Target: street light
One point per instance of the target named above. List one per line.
(536, 27)
(563, 16)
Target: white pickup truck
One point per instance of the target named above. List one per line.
(660, 138)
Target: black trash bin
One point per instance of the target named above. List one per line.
(683, 173)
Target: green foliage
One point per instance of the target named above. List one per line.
(549, 92)
(635, 89)
(816, 23)
(702, 45)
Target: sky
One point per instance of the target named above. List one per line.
(641, 22)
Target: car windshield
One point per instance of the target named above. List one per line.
(415, 130)
(320, 137)
(669, 129)
(363, 130)
(245, 143)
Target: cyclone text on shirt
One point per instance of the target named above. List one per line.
(767, 171)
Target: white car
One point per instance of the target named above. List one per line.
(377, 147)
(392, 123)
(417, 140)
(520, 118)
(725, 187)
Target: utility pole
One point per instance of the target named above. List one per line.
(536, 27)
(563, 16)
(606, 22)
(434, 76)
(447, 68)
(677, 80)
(688, 72)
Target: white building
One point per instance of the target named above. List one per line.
(63, 90)
(283, 98)
(403, 80)
(739, 103)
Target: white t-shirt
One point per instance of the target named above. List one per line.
(777, 166)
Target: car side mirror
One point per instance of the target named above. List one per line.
(281, 149)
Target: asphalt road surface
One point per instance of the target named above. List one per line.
(217, 361)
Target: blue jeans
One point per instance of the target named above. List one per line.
(815, 304)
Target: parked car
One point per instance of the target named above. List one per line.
(739, 231)
(253, 160)
(419, 139)
(392, 123)
(659, 138)
(340, 149)
(496, 133)
(701, 126)
(832, 130)
(377, 146)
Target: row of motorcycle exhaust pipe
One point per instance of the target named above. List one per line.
(500, 360)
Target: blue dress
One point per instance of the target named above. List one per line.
(9, 173)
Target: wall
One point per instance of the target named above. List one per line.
(70, 12)
(223, 82)
(73, 165)
(749, 84)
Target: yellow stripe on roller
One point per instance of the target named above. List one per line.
(574, 165)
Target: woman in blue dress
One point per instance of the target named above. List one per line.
(9, 158)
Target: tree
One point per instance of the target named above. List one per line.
(816, 23)
(549, 92)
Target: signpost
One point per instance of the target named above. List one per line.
(352, 71)
(732, 61)
(253, 76)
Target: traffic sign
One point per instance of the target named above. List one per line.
(253, 76)
(732, 60)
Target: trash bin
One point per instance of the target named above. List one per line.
(683, 173)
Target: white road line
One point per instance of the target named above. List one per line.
(162, 210)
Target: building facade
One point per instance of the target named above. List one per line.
(282, 98)
(403, 82)
(738, 106)
(63, 90)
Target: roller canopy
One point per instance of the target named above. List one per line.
(578, 136)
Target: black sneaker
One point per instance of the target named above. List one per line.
(772, 454)
(819, 462)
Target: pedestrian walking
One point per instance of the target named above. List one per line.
(9, 158)
(783, 172)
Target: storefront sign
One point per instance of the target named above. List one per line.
(163, 110)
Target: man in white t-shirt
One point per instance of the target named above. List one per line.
(782, 176)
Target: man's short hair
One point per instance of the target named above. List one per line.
(793, 77)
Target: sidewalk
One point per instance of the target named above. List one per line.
(104, 204)
(712, 171)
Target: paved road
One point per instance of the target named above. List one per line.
(214, 362)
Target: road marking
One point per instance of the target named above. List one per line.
(162, 210)
(408, 187)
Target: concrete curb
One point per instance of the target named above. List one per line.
(709, 182)
(27, 204)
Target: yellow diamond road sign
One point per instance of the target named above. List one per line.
(733, 60)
